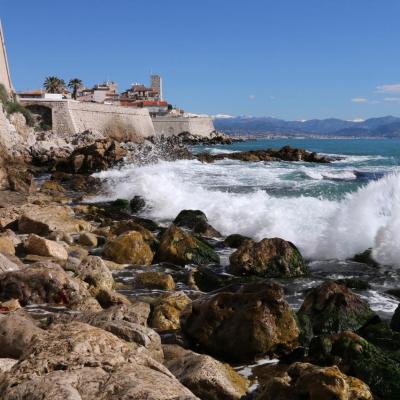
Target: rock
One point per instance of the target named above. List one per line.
(101, 155)
(332, 308)
(44, 220)
(61, 237)
(395, 322)
(6, 364)
(361, 359)
(17, 331)
(20, 180)
(235, 240)
(108, 298)
(179, 247)
(137, 204)
(154, 280)
(242, 321)
(44, 247)
(43, 283)
(167, 311)
(120, 227)
(307, 381)
(129, 248)
(88, 239)
(354, 283)
(52, 187)
(6, 245)
(269, 258)
(366, 258)
(79, 361)
(6, 264)
(206, 377)
(95, 273)
(197, 221)
(9, 306)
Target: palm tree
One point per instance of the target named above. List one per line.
(75, 84)
(52, 84)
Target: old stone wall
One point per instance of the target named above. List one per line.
(172, 126)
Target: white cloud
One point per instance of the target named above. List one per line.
(222, 116)
(392, 99)
(359, 100)
(252, 96)
(393, 88)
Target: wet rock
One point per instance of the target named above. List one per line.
(206, 377)
(354, 283)
(307, 381)
(242, 321)
(332, 308)
(52, 186)
(154, 280)
(129, 248)
(44, 220)
(43, 283)
(197, 221)
(235, 240)
(96, 274)
(167, 311)
(137, 204)
(366, 258)
(357, 357)
(6, 246)
(395, 322)
(101, 155)
(46, 248)
(6, 264)
(179, 247)
(17, 331)
(88, 239)
(269, 258)
(81, 361)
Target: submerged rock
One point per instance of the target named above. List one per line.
(167, 311)
(332, 308)
(129, 248)
(269, 258)
(180, 247)
(242, 321)
(311, 382)
(206, 377)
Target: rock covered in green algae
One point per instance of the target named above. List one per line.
(269, 258)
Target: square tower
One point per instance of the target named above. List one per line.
(156, 85)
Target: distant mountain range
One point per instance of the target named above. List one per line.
(385, 127)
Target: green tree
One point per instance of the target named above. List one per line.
(74, 85)
(52, 84)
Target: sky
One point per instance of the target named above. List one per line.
(290, 59)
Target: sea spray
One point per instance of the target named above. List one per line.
(322, 228)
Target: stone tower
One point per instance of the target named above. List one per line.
(5, 77)
(156, 84)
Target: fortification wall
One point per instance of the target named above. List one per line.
(5, 78)
(172, 126)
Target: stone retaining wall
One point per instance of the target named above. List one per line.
(170, 126)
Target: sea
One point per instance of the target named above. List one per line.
(329, 211)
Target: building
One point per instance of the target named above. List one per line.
(5, 76)
(156, 84)
(105, 93)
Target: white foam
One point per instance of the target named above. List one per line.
(321, 228)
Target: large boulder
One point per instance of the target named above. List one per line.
(206, 377)
(78, 361)
(180, 247)
(47, 248)
(242, 321)
(129, 248)
(167, 311)
(44, 283)
(44, 220)
(268, 258)
(197, 221)
(311, 382)
(357, 357)
(332, 308)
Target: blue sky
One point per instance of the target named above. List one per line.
(292, 59)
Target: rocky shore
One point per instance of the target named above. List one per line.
(97, 302)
